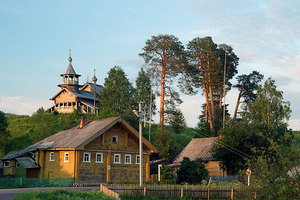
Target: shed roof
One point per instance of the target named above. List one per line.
(197, 148)
(78, 137)
(27, 163)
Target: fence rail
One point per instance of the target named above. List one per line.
(35, 182)
(188, 191)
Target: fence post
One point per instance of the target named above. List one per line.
(68, 181)
(208, 192)
(20, 181)
(231, 195)
(181, 192)
(58, 181)
(144, 191)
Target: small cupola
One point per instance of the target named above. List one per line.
(70, 78)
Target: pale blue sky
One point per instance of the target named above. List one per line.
(35, 37)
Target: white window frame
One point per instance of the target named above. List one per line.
(127, 155)
(66, 160)
(51, 156)
(119, 162)
(117, 139)
(89, 157)
(33, 156)
(6, 162)
(101, 160)
(137, 158)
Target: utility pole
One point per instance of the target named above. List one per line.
(140, 115)
(224, 89)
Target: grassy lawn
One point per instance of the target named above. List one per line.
(61, 195)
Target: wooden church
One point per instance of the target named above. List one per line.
(74, 96)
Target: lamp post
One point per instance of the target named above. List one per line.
(139, 115)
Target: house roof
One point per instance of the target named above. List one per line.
(77, 137)
(79, 94)
(98, 87)
(197, 148)
(27, 163)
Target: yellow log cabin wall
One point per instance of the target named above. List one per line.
(57, 167)
(213, 168)
(9, 171)
(107, 170)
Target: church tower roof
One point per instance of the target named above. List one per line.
(70, 69)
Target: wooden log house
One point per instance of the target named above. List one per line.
(101, 151)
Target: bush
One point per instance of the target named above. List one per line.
(61, 195)
(192, 172)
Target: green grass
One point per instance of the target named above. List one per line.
(61, 195)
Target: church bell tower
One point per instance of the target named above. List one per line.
(70, 78)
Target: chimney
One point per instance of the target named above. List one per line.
(82, 121)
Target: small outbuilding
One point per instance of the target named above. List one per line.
(200, 148)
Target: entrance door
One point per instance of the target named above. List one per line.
(30, 173)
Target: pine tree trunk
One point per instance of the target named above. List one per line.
(206, 93)
(162, 99)
(221, 98)
(238, 102)
(211, 95)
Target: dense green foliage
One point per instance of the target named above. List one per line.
(192, 172)
(117, 97)
(26, 130)
(61, 195)
(176, 120)
(4, 133)
(143, 94)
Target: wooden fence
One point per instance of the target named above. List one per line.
(187, 191)
(109, 192)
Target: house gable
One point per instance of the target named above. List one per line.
(65, 96)
(126, 141)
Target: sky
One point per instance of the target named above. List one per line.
(35, 38)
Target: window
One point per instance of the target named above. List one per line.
(6, 164)
(17, 165)
(51, 156)
(117, 158)
(114, 139)
(86, 157)
(67, 157)
(99, 157)
(127, 159)
(137, 159)
(33, 156)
